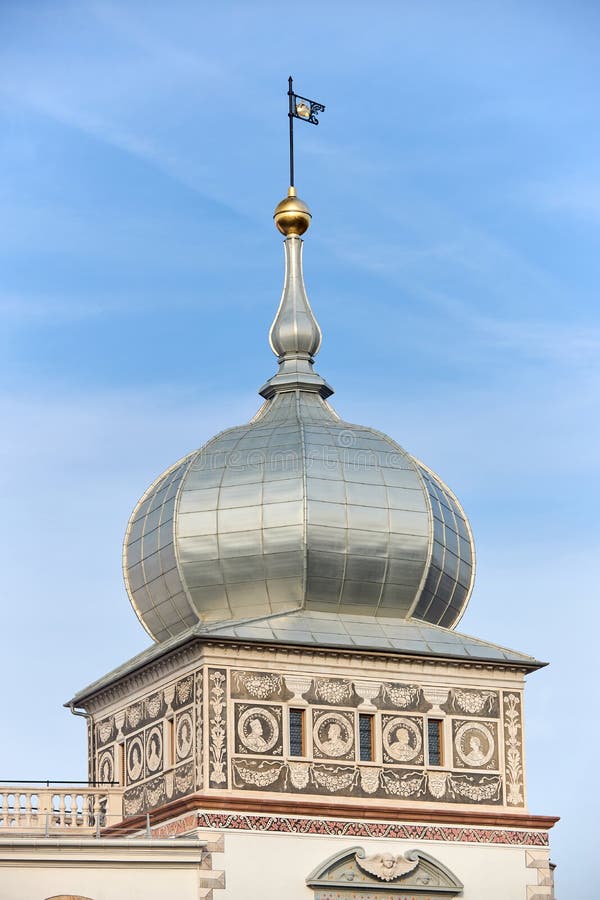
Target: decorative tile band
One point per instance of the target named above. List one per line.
(383, 830)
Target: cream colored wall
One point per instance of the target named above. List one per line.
(105, 870)
(98, 883)
(272, 867)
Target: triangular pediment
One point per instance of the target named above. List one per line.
(383, 876)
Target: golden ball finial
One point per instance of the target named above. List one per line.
(292, 215)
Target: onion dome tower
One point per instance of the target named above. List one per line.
(297, 510)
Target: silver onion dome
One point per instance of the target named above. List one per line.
(297, 509)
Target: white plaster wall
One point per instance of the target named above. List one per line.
(105, 882)
(275, 866)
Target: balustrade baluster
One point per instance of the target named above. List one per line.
(26, 808)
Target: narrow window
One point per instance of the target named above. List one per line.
(434, 742)
(296, 732)
(365, 736)
(169, 742)
(121, 763)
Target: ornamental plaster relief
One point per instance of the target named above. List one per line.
(217, 727)
(351, 874)
(407, 697)
(258, 686)
(402, 739)
(106, 767)
(258, 729)
(359, 828)
(235, 724)
(332, 691)
(171, 785)
(381, 782)
(199, 714)
(333, 734)
(184, 735)
(513, 748)
(473, 703)
(474, 744)
(141, 728)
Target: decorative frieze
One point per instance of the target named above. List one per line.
(258, 686)
(358, 828)
(105, 731)
(365, 781)
(199, 711)
(396, 695)
(159, 790)
(513, 748)
(217, 727)
(333, 692)
(205, 717)
(184, 692)
(473, 703)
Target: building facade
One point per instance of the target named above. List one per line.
(308, 712)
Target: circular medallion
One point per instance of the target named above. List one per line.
(184, 735)
(474, 744)
(135, 759)
(105, 767)
(258, 729)
(333, 735)
(402, 739)
(154, 748)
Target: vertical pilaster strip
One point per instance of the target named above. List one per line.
(217, 701)
(512, 717)
(199, 744)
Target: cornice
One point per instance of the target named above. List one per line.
(201, 649)
(124, 686)
(323, 808)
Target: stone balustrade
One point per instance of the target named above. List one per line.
(28, 809)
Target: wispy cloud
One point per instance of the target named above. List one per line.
(21, 309)
(577, 195)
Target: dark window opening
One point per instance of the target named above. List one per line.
(296, 732)
(434, 742)
(365, 737)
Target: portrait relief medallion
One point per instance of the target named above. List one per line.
(402, 739)
(258, 729)
(154, 741)
(333, 735)
(184, 735)
(135, 759)
(105, 767)
(475, 744)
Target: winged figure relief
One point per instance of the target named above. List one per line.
(386, 866)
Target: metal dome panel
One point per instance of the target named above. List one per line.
(296, 510)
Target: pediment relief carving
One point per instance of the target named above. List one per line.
(383, 876)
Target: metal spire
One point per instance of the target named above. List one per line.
(295, 336)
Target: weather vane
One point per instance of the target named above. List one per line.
(300, 108)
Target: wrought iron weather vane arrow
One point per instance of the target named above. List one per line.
(300, 108)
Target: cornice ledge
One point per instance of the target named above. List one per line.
(145, 677)
(320, 809)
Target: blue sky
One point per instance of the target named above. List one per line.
(453, 264)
